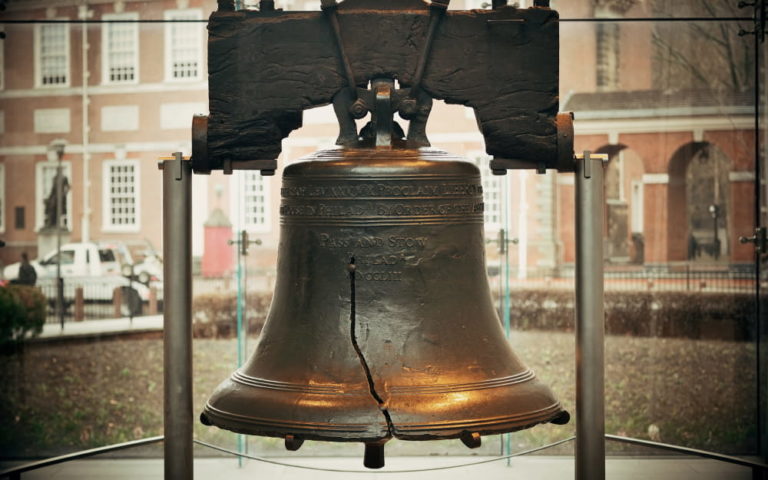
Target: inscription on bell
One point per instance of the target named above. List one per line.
(393, 241)
(402, 209)
(392, 276)
(380, 210)
(322, 210)
(361, 190)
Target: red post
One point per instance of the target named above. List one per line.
(79, 304)
(117, 301)
(153, 301)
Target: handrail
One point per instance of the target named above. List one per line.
(379, 472)
(15, 472)
(690, 451)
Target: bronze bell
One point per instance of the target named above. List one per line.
(382, 323)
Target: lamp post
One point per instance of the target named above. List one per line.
(714, 210)
(57, 147)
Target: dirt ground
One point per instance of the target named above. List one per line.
(58, 398)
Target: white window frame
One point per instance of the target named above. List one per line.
(238, 201)
(3, 206)
(105, 52)
(38, 55)
(42, 190)
(196, 14)
(107, 220)
(491, 184)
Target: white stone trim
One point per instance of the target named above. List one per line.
(664, 113)
(179, 115)
(655, 178)
(564, 178)
(52, 120)
(741, 176)
(163, 148)
(656, 125)
(119, 118)
(142, 88)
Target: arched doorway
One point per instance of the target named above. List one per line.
(699, 200)
(624, 233)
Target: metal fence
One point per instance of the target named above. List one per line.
(671, 277)
(93, 301)
(100, 301)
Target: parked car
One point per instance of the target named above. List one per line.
(94, 267)
(148, 270)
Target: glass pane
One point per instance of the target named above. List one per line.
(678, 127)
(671, 103)
(653, 9)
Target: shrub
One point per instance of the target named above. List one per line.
(215, 314)
(22, 311)
(714, 315)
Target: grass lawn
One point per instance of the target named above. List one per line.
(58, 398)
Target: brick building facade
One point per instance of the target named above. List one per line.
(145, 80)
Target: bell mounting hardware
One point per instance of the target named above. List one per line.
(267, 66)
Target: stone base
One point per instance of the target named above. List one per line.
(46, 240)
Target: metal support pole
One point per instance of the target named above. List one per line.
(59, 226)
(590, 408)
(177, 323)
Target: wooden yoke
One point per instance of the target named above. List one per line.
(266, 67)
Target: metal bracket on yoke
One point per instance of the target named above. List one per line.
(586, 157)
(177, 158)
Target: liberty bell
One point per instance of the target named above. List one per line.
(382, 323)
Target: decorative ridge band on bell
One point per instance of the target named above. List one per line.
(382, 323)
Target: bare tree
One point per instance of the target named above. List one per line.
(702, 55)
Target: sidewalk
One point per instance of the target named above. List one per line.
(100, 328)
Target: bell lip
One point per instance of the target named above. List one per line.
(303, 430)
(341, 433)
(491, 426)
(354, 162)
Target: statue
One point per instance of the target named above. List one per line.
(52, 219)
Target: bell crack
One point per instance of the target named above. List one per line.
(369, 377)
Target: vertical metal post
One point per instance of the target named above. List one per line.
(505, 306)
(177, 323)
(241, 443)
(59, 223)
(590, 408)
